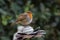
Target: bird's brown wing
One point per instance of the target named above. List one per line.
(21, 18)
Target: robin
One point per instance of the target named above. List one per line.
(25, 18)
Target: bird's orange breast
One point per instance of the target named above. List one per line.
(30, 15)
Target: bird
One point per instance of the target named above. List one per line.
(25, 18)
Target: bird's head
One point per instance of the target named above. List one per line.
(29, 13)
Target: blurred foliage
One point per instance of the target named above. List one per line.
(46, 14)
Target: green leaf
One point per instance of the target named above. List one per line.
(3, 12)
(4, 20)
